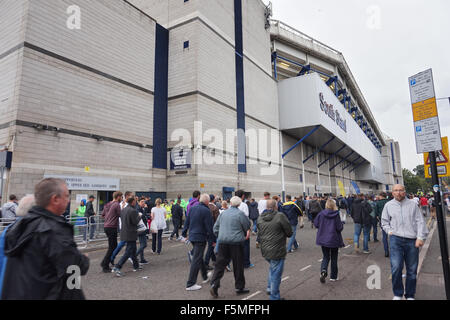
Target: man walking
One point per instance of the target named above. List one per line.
(273, 230)
(90, 215)
(9, 210)
(130, 219)
(407, 230)
(41, 251)
(244, 208)
(232, 229)
(292, 212)
(210, 251)
(199, 223)
(177, 217)
(361, 210)
(111, 214)
(379, 206)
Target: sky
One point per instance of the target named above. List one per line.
(384, 43)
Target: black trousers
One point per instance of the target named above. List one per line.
(227, 252)
(197, 263)
(111, 233)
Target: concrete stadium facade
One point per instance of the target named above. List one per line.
(167, 97)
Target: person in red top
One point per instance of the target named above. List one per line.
(424, 206)
(111, 213)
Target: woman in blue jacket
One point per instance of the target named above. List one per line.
(329, 237)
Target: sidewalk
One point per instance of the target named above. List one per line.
(430, 281)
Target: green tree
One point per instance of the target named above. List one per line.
(413, 183)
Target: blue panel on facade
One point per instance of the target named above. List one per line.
(160, 112)
(240, 99)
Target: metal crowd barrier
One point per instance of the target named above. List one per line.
(88, 230)
(4, 222)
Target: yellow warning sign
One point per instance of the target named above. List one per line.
(87, 169)
(425, 109)
(442, 163)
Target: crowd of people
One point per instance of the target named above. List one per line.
(218, 231)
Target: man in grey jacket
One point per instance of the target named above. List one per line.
(130, 219)
(403, 222)
(9, 210)
(273, 230)
(231, 231)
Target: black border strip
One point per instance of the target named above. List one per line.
(12, 50)
(184, 95)
(85, 67)
(45, 127)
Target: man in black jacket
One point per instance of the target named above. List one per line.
(90, 214)
(361, 210)
(130, 219)
(177, 216)
(43, 260)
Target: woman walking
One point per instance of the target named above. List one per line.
(158, 225)
(329, 237)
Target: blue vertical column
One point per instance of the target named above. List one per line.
(240, 103)
(160, 110)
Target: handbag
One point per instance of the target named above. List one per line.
(153, 227)
(141, 227)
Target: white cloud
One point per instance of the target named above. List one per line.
(410, 39)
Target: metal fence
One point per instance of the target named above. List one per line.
(87, 230)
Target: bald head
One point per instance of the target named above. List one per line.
(399, 192)
(271, 205)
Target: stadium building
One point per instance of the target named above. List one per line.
(165, 97)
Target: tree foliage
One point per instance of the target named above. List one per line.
(416, 182)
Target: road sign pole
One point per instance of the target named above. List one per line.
(441, 225)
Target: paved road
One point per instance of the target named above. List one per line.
(166, 275)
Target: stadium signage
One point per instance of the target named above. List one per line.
(333, 114)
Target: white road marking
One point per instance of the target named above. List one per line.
(347, 246)
(252, 295)
(178, 245)
(305, 268)
(284, 279)
(424, 250)
(320, 260)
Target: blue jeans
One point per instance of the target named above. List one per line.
(385, 242)
(92, 227)
(254, 225)
(404, 251)
(292, 240)
(117, 250)
(142, 246)
(274, 279)
(130, 252)
(375, 229)
(366, 229)
(330, 253)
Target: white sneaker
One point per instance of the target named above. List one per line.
(334, 280)
(194, 288)
(410, 299)
(397, 298)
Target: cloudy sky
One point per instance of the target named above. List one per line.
(384, 42)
